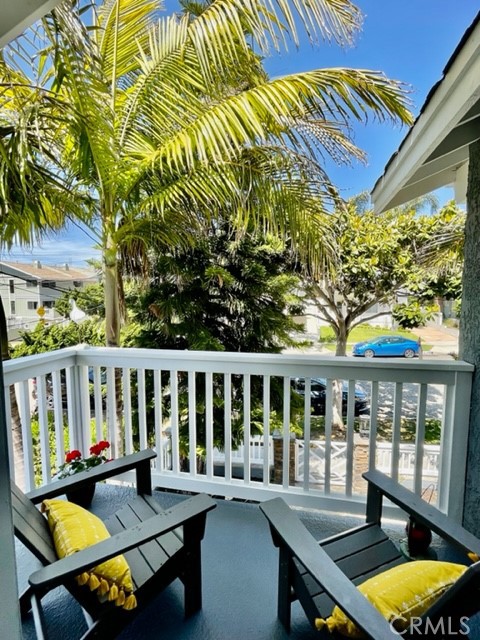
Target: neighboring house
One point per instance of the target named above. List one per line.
(378, 315)
(312, 322)
(29, 291)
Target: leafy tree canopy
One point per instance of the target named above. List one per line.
(90, 299)
(377, 255)
(58, 336)
(225, 293)
(151, 117)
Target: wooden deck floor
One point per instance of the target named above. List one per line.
(239, 580)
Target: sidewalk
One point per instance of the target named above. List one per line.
(444, 340)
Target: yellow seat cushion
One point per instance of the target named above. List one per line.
(399, 594)
(73, 529)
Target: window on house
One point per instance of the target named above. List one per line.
(31, 283)
(32, 305)
(49, 304)
(49, 284)
(77, 283)
(12, 286)
(12, 307)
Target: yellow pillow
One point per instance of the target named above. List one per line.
(401, 593)
(73, 529)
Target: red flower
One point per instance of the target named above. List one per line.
(96, 449)
(75, 454)
(75, 463)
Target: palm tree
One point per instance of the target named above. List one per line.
(165, 116)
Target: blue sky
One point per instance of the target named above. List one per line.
(409, 41)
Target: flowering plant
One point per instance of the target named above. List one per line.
(74, 463)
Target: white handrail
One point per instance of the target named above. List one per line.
(182, 402)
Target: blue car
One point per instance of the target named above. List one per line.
(388, 346)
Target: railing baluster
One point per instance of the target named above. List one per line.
(84, 407)
(286, 433)
(142, 409)
(160, 441)
(43, 426)
(98, 405)
(328, 434)
(71, 412)
(396, 428)
(350, 437)
(209, 423)
(228, 426)
(420, 438)
(372, 440)
(112, 412)
(192, 423)
(246, 428)
(307, 423)
(127, 410)
(174, 421)
(453, 455)
(58, 418)
(25, 417)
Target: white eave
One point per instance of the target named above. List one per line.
(434, 153)
(18, 15)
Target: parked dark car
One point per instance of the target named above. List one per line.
(318, 391)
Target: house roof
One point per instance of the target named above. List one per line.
(18, 15)
(37, 271)
(434, 152)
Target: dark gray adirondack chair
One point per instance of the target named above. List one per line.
(158, 545)
(322, 574)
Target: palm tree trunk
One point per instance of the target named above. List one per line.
(112, 327)
(112, 306)
(17, 439)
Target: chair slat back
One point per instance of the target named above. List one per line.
(31, 528)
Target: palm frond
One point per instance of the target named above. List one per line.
(265, 112)
(122, 27)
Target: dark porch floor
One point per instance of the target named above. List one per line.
(239, 579)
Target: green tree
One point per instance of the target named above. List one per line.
(44, 338)
(227, 294)
(90, 299)
(377, 255)
(411, 314)
(163, 115)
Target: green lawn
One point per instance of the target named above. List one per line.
(364, 332)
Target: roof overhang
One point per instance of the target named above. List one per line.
(18, 15)
(434, 153)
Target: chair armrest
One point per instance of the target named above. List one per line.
(423, 512)
(139, 461)
(289, 531)
(183, 513)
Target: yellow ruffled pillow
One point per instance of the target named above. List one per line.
(73, 529)
(401, 593)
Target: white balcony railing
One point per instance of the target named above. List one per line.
(205, 406)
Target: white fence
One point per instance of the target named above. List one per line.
(184, 403)
(383, 461)
(407, 460)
